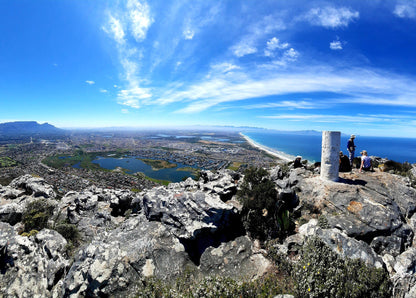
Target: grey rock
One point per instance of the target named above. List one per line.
(276, 173)
(10, 193)
(406, 262)
(11, 213)
(283, 183)
(359, 210)
(340, 243)
(33, 186)
(236, 259)
(34, 265)
(187, 213)
(296, 176)
(115, 262)
(95, 210)
(403, 285)
(387, 245)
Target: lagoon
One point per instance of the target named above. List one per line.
(132, 165)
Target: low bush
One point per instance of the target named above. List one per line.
(69, 232)
(320, 272)
(214, 286)
(36, 215)
(264, 215)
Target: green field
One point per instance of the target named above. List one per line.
(85, 159)
(6, 162)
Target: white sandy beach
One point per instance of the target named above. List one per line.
(279, 155)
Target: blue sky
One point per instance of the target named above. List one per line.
(287, 65)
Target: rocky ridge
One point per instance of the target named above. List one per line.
(195, 226)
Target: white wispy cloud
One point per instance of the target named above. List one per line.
(405, 9)
(115, 28)
(274, 44)
(331, 17)
(188, 33)
(132, 97)
(200, 15)
(335, 45)
(90, 82)
(248, 43)
(243, 48)
(140, 18)
(129, 29)
(288, 56)
(103, 90)
(336, 118)
(353, 85)
(125, 111)
(224, 67)
(287, 104)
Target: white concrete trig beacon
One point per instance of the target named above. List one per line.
(331, 141)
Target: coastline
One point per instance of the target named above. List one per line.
(277, 154)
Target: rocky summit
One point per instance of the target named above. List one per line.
(105, 242)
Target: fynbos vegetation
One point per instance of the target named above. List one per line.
(265, 215)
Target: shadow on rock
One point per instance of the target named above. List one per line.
(352, 182)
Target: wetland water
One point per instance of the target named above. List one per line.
(133, 165)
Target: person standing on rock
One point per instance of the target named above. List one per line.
(351, 148)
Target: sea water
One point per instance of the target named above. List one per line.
(309, 145)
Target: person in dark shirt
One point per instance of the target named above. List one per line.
(344, 163)
(297, 163)
(351, 148)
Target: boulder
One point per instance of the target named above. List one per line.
(10, 193)
(276, 173)
(406, 262)
(34, 265)
(34, 186)
(89, 210)
(237, 259)
(354, 206)
(11, 213)
(188, 213)
(391, 245)
(338, 241)
(114, 264)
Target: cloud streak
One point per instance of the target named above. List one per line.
(331, 17)
(340, 118)
(352, 86)
(128, 30)
(405, 9)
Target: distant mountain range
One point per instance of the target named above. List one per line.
(28, 128)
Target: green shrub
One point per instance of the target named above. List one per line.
(31, 233)
(264, 216)
(37, 214)
(322, 273)
(214, 286)
(69, 232)
(323, 222)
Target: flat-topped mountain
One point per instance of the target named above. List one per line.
(28, 127)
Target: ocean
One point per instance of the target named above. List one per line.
(308, 145)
